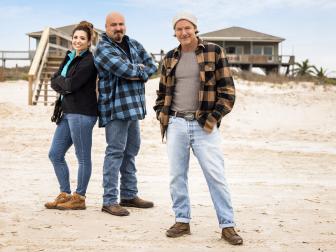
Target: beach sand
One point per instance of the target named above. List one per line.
(280, 159)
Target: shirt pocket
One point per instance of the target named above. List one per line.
(168, 72)
(210, 73)
(209, 67)
(169, 77)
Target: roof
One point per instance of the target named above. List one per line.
(239, 34)
(65, 29)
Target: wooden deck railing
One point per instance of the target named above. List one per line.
(260, 59)
(247, 59)
(16, 55)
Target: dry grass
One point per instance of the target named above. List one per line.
(279, 79)
(14, 73)
(21, 73)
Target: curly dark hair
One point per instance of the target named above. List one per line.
(84, 26)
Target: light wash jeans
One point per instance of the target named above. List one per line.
(123, 144)
(73, 129)
(181, 136)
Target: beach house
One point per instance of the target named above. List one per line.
(246, 49)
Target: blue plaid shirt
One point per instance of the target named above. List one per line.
(121, 81)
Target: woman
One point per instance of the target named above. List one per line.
(75, 81)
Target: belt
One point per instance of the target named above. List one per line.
(189, 116)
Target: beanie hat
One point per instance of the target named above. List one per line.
(185, 15)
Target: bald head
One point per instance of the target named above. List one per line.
(115, 26)
(114, 15)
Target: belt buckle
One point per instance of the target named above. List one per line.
(189, 116)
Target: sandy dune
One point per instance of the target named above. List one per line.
(279, 144)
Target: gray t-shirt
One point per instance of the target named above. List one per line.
(187, 84)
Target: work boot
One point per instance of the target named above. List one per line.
(77, 202)
(230, 235)
(61, 198)
(178, 229)
(115, 209)
(136, 202)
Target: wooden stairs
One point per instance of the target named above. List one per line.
(46, 62)
(44, 93)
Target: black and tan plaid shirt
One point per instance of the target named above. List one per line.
(217, 92)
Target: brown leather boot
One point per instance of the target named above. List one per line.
(61, 198)
(136, 202)
(230, 235)
(115, 209)
(77, 202)
(178, 229)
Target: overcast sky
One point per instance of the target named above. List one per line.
(308, 26)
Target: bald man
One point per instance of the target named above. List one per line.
(123, 68)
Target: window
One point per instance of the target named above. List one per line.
(234, 50)
(264, 50)
(52, 39)
(240, 50)
(268, 50)
(257, 50)
(230, 50)
(64, 43)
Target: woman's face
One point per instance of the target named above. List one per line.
(80, 41)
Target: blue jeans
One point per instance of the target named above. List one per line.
(73, 129)
(123, 144)
(181, 136)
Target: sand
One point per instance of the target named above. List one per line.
(280, 156)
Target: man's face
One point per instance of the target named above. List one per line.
(185, 32)
(115, 27)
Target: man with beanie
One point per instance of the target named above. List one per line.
(196, 91)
